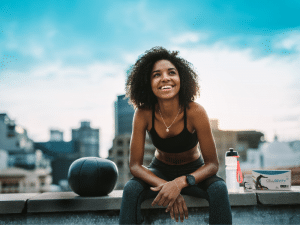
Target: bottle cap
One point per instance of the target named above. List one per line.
(231, 153)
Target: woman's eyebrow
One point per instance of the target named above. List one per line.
(159, 70)
(155, 71)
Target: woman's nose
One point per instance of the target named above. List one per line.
(166, 77)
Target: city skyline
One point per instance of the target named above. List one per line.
(66, 62)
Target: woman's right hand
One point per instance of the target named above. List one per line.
(179, 208)
(168, 193)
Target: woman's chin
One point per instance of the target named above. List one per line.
(167, 96)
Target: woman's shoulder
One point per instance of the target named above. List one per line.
(143, 112)
(197, 115)
(195, 109)
(143, 115)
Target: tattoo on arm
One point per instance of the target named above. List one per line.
(175, 161)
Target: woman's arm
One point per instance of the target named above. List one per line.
(201, 124)
(137, 145)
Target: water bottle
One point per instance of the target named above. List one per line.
(233, 171)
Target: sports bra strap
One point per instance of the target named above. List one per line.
(185, 117)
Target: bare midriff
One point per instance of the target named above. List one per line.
(178, 158)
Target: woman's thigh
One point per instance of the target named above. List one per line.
(200, 190)
(195, 191)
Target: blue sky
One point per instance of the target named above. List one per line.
(66, 61)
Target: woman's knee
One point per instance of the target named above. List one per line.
(218, 188)
(132, 188)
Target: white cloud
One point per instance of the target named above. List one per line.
(191, 37)
(291, 42)
(243, 92)
(71, 95)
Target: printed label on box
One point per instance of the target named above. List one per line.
(272, 179)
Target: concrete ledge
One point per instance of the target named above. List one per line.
(14, 203)
(291, 197)
(242, 198)
(70, 202)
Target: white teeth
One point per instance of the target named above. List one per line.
(166, 87)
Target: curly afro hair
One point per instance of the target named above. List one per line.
(138, 84)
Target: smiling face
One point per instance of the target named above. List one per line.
(165, 80)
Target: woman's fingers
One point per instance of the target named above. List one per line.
(158, 188)
(163, 201)
(182, 205)
(167, 193)
(157, 199)
(170, 205)
(181, 211)
(167, 202)
(176, 211)
(185, 209)
(172, 213)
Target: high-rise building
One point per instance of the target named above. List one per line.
(240, 141)
(60, 155)
(87, 138)
(13, 138)
(3, 159)
(119, 154)
(18, 180)
(56, 135)
(248, 139)
(15, 141)
(123, 116)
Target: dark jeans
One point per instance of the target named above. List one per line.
(213, 189)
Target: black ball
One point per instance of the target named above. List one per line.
(92, 176)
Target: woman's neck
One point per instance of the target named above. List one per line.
(169, 108)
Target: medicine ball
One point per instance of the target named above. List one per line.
(92, 176)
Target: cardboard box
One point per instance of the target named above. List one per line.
(249, 184)
(277, 180)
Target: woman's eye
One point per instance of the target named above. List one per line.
(157, 74)
(172, 72)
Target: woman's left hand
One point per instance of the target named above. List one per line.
(167, 195)
(179, 209)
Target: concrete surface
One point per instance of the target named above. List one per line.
(260, 207)
(14, 203)
(242, 215)
(279, 197)
(69, 202)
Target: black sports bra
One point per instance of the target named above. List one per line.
(176, 144)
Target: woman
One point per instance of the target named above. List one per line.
(162, 87)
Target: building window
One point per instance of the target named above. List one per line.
(9, 187)
(119, 143)
(10, 130)
(120, 153)
(120, 164)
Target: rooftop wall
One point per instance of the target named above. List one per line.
(260, 207)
